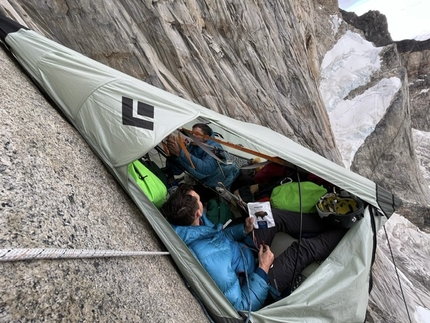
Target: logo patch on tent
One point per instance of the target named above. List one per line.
(143, 110)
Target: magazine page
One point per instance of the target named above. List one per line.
(262, 214)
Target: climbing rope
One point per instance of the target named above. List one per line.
(51, 253)
(397, 273)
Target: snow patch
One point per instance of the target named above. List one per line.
(349, 65)
(353, 120)
(422, 314)
(423, 35)
(335, 22)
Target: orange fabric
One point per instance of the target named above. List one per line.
(166, 150)
(247, 150)
(184, 148)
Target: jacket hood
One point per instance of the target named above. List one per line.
(189, 234)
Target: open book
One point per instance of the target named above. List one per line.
(262, 214)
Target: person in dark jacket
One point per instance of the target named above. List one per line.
(199, 163)
(239, 258)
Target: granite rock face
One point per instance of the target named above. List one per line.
(373, 24)
(400, 154)
(235, 57)
(257, 62)
(55, 193)
(415, 56)
(403, 297)
(409, 60)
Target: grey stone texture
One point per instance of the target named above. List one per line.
(55, 193)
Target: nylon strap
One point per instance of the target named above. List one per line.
(184, 148)
(276, 160)
(166, 150)
(206, 148)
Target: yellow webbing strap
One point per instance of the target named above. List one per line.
(184, 148)
(166, 150)
(276, 160)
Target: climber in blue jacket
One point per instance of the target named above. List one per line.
(239, 258)
(198, 162)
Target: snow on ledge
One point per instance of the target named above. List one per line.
(347, 66)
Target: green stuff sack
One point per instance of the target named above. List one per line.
(150, 184)
(286, 196)
(218, 211)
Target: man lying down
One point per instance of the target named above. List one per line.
(239, 258)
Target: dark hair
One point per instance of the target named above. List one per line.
(205, 128)
(181, 207)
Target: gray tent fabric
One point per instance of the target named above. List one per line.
(123, 118)
(388, 202)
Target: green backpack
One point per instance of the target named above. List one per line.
(287, 196)
(149, 183)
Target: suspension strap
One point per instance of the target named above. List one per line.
(375, 242)
(184, 148)
(166, 150)
(397, 273)
(51, 253)
(277, 160)
(205, 147)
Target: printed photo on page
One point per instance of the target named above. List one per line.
(262, 212)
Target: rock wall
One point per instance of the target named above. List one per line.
(415, 56)
(255, 61)
(393, 140)
(235, 57)
(55, 193)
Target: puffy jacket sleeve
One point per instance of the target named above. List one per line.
(240, 296)
(216, 254)
(253, 297)
(235, 232)
(204, 164)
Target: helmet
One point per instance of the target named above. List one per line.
(342, 209)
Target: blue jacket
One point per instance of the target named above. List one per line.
(224, 257)
(207, 169)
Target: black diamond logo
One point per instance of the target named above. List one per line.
(143, 109)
